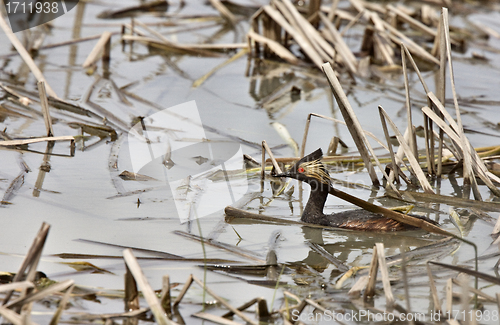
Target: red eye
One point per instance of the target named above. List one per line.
(300, 170)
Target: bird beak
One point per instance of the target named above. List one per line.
(284, 174)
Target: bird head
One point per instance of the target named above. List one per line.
(309, 169)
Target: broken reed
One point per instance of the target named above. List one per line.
(163, 308)
(281, 22)
(44, 90)
(276, 27)
(23, 281)
(134, 280)
(466, 154)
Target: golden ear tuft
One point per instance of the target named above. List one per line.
(315, 169)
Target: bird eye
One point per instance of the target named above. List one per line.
(300, 170)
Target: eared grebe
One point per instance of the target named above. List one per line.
(310, 170)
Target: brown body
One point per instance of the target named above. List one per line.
(359, 219)
(375, 225)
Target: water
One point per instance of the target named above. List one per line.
(79, 197)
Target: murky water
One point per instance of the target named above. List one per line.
(80, 196)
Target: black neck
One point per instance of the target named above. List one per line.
(314, 207)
